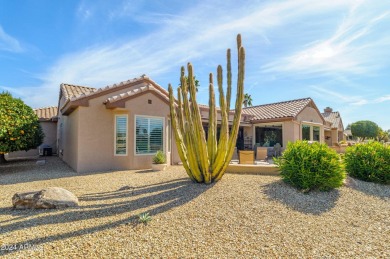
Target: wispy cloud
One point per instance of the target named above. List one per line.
(382, 99)
(201, 33)
(334, 96)
(8, 43)
(353, 48)
(126, 8)
(324, 93)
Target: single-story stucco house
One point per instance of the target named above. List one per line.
(334, 128)
(123, 125)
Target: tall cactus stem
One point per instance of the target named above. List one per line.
(206, 160)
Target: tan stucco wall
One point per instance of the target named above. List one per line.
(311, 115)
(49, 128)
(291, 132)
(335, 136)
(68, 135)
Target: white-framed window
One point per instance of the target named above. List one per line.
(311, 132)
(121, 125)
(149, 134)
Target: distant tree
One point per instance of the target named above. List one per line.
(19, 126)
(348, 126)
(247, 100)
(196, 81)
(364, 129)
(383, 135)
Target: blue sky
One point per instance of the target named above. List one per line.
(336, 52)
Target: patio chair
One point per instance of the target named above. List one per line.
(277, 150)
(262, 153)
(246, 157)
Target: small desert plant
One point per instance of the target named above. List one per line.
(144, 218)
(368, 162)
(159, 158)
(309, 166)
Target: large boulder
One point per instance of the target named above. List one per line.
(49, 198)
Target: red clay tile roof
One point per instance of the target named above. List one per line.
(46, 113)
(133, 92)
(74, 91)
(277, 110)
(333, 117)
(206, 107)
(75, 94)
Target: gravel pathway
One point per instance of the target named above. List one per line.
(241, 216)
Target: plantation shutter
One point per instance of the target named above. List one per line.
(121, 135)
(149, 135)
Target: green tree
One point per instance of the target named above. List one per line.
(247, 100)
(383, 135)
(364, 129)
(19, 126)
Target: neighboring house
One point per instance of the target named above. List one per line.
(334, 128)
(348, 135)
(122, 126)
(48, 119)
(285, 121)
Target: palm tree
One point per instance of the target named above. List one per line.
(196, 81)
(247, 100)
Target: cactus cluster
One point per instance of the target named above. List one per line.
(204, 160)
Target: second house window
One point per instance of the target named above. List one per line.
(148, 134)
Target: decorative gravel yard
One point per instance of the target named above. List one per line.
(241, 216)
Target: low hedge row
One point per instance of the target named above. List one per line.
(368, 162)
(309, 166)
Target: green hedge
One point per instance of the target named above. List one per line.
(309, 166)
(368, 162)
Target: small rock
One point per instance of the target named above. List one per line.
(49, 198)
(41, 162)
(350, 182)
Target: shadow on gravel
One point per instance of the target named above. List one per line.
(374, 189)
(154, 199)
(315, 202)
(26, 170)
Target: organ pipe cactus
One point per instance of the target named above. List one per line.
(204, 160)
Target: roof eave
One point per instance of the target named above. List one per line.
(121, 103)
(289, 118)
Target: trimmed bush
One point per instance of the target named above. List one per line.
(368, 162)
(309, 166)
(159, 158)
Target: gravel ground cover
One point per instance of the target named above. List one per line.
(241, 216)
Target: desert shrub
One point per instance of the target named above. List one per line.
(159, 158)
(368, 162)
(309, 166)
(144, 218)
